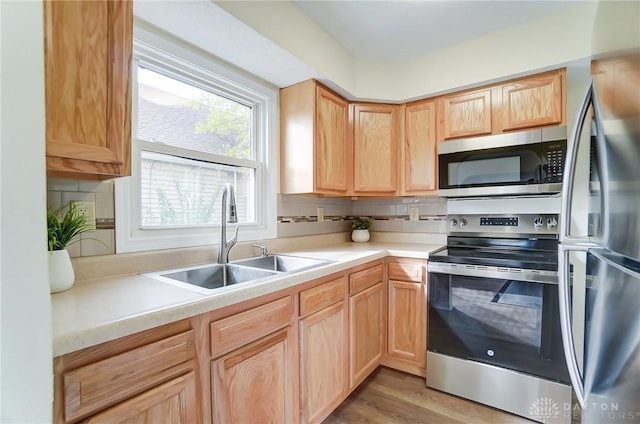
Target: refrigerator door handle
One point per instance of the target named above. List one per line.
(570, 168)
(565, 321)
(603, 164)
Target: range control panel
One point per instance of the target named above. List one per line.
(505, 225)
(506, 221)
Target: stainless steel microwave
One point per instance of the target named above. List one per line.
(524, 162)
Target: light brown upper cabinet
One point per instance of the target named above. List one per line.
(88, 48)
(419, 164)
(532, 102)
(376, 130)
(467, 114)
(314, 148)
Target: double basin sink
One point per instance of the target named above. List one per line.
(207, 278)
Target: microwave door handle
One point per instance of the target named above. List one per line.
(565, 323)
(570, 168)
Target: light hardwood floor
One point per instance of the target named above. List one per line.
(390, 397)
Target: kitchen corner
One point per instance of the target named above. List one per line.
(111, 300)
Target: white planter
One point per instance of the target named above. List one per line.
(61, 275)
(360, 236)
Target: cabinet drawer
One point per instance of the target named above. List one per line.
(360, 280)
(406, 271)
(323, 295)
(239, 329)
(92, 387)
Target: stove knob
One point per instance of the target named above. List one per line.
(538, 222)
(453, 222)
(552, 222)
(463, 222)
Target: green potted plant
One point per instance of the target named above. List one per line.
(62, 229)
(360, 230)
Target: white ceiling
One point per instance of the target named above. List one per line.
(393, 31)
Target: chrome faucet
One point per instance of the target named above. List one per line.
(226, 245)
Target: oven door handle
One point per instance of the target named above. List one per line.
(565, 320)
(544, 277)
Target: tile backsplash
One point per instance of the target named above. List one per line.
(60, 192)
(297, 215)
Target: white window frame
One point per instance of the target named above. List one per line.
(174, 58)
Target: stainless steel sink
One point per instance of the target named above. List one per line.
(205, 278)
(282, 263)
(208, 278)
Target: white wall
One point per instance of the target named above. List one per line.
(285, 24)
(26, 383)
(544, 43)
(541, 44)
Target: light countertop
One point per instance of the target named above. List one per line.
(97, 311)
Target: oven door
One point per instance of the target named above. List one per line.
(503, 321)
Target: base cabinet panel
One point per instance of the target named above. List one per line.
(366, 314)
(174, 402)
(255, 382)
(405, 316)
(323, 362)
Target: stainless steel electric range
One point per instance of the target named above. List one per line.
(493, 323)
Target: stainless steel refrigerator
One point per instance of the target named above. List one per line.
(599, 256)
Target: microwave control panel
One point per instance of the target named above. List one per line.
(553, 157)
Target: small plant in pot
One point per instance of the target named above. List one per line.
(360, 230)
(61, 231)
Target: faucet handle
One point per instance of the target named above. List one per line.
(263, 249)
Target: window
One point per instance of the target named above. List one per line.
(197, 125)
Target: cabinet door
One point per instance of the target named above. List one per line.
(331, 148)
(366, 315)
(419, 165)
(467, 114)
(532, 102)
(407, 321)
(256, 382)
(375, 149)
(323, 362)
(173, 402)
(88, 48)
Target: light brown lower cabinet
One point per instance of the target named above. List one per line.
(366, 310)
(407, 319)
(255, 383)
(366, 321)
(173, 402)
(323, 333)
(292, 356)
(323, 364)
(135, 379)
